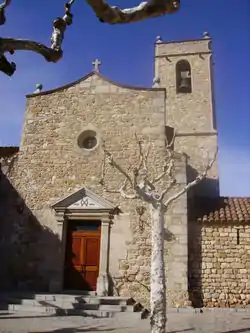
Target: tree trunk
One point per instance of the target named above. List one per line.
(158, 283)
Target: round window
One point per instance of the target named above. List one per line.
(87, 140)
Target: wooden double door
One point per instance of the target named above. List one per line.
(82, 255)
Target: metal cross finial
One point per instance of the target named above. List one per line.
(96, 65)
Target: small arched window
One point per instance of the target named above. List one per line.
(183, 77)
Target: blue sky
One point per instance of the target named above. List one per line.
(126, 52)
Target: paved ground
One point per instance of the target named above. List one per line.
(209, 322)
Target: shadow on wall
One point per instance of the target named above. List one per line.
(24, 244)
(195, 264)
(208, 187)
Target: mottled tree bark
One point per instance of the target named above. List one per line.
(145, 10)
(158, 281)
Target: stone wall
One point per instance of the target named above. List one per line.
(51, 166)
(219, 264)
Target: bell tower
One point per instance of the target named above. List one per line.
(184, 68)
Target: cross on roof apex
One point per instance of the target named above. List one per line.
(96, 65)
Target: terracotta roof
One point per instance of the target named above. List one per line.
(220, 209)
(8, 151)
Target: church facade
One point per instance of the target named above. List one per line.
(62, 231)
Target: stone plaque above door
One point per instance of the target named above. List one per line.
(83, 198)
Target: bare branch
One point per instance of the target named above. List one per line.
(169, 172)
(113, 163)
(142, 168)
(169, 145)
(167, 168)
(167, 189)
(109, 157)
(59, 27)
(124, 194)
(52, 54)
(168, 163)
(102, 179)
(145, 160)
(197, 180)
(141, 191)
(5, 4)
(2, 11)
(11, 45)
(145, 10)
(139, 166)
(108, 190)
(142, 157)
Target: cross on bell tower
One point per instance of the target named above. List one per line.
(96, 65)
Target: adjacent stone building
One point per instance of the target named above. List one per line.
(60, 230)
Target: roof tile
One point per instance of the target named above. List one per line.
(220, 209)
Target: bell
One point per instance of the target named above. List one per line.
(184, 83)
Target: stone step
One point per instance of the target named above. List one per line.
(68, 304)
(55, 302)
(116, 300)
(48, 297)
(104, 312)
(61, 299)
(48, 307)
(45, 296)
(60, 312)
(30, 308)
